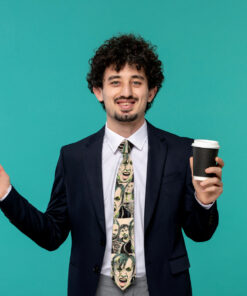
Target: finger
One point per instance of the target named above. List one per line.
(220, 161)
(213, 189)
(211, 181)
(214, 170)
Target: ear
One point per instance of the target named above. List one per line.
(98, 93)
(151, 93)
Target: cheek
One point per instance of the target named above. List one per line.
(110, 94)
(144, 101)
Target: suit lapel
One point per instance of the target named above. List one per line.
(93, 165)
(157, 152)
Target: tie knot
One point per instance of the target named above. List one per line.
(125, 147)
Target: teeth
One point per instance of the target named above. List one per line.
(123, 280)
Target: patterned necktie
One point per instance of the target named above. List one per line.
(123, 265)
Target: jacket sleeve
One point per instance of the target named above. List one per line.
(50, 229)
(198, 223)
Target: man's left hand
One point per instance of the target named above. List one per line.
(209, 190)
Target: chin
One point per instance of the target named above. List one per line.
(123, 117)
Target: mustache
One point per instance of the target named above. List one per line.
(125, 98)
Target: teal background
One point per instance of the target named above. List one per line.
(45, 103)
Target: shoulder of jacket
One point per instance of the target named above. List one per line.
(171, 137)
(81, 144)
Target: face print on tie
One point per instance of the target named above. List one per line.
(123, 267)
(118, 199)
(115, 229)
(123, 236)
(129, 192)
(120, 207)
(125, 173)
(116, 245)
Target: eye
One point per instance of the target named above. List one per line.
(137, 82)
(128, 269)
(115, 83)
(117, 197)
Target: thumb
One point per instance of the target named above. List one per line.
(2, 169)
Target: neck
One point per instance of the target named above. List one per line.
(125, 129)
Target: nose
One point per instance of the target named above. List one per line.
(126, 90)
(123, 272)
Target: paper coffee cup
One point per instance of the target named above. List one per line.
(204, 153)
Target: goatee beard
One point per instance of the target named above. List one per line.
(125, 118)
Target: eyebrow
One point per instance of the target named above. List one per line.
(118, 76)
(113, 77)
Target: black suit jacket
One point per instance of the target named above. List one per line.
(77, 205)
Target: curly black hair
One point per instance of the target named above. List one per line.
(126, 49)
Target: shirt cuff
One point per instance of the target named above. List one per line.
(9, 189)
(207, 207)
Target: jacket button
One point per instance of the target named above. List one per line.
(96, 269)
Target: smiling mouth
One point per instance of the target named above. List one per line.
(126, 105)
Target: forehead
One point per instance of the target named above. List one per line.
(129, 263)
(127, 71)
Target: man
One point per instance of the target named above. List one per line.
(125, 76)
(128, 193)
(120, 206)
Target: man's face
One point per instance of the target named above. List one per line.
(130, 187)
(129, 192)
(125, 173)
(123, 274)
(125, 94)
(124, 234)
(115, 231)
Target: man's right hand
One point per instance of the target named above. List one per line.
(4, 182)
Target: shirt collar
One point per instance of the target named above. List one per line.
(138, 139)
